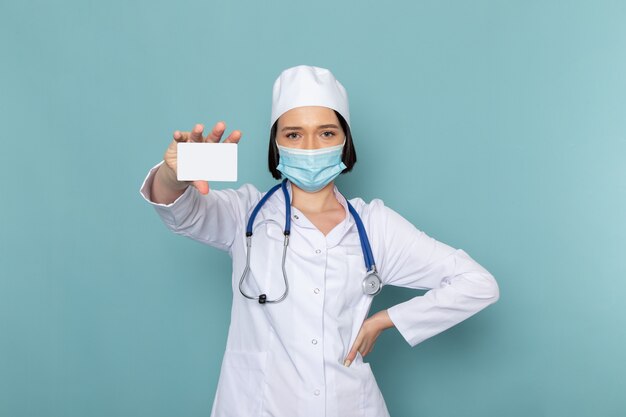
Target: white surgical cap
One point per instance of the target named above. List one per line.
(305, 85)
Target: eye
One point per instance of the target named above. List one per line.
(291, 135)
(328, 134)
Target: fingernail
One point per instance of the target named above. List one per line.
(347, 362)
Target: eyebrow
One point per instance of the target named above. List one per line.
(329, 126)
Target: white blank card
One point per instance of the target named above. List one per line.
(207, 161)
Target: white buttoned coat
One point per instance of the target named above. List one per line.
(286, 359)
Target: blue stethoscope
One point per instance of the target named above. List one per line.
(372, 283)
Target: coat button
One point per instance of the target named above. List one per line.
(316, 291)
(316, 392)
(318, 251)
(314, 341)
(295, 216)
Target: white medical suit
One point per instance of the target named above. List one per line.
(286, 359)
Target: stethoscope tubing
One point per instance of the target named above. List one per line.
(368, 256)
(369, 287)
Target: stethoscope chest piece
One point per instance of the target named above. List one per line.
(372, 283)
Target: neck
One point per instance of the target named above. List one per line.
(315, 202)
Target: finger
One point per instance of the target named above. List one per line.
(216, 133)
(202, 186)
(352, 353)
(368, 347)
(181, 136)
(234, 137)
(196, 133)
(365, 349)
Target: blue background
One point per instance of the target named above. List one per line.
(497, 127)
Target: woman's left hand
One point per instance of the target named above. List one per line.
(370, 330)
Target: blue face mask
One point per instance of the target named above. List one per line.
(311, 169)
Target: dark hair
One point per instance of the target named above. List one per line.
(348, 156)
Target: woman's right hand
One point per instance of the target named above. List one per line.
(171, 154)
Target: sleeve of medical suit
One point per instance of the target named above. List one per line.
(211, 219)
(458, 286)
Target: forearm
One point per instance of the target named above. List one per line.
(382, 320)
(165, 187)
(440, 308)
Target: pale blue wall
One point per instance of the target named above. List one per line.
(495, 126)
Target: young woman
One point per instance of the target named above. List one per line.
(307, 263)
